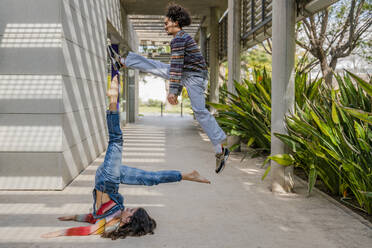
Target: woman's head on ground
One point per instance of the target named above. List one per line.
(134, 222)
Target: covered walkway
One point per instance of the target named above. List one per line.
(236, 210)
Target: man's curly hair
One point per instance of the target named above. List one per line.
(179, 14)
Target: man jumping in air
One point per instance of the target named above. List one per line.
(187, 68)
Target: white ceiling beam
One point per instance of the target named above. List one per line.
(317, 5)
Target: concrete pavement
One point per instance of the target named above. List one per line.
(236, 210)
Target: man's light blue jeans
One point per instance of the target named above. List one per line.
(195, 84)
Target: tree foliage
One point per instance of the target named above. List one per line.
(335, 33)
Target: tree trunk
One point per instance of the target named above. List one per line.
(328, 76)
(333, 67)
(328, 69)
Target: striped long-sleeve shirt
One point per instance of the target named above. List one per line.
(185, 57)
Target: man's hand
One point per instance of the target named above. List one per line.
(172, 99)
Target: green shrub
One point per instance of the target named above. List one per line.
(153, 103)
(247, 114)
(329, 133)
(328, 139)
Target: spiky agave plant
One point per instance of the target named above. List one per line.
(248, 112)
(331, 138)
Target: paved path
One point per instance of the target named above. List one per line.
(236, 210)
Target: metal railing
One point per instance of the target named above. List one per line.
(207, 47)
(222, 37)
(162, 109)
(256, 21)
(256, 18)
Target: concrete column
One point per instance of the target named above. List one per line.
(213, 55)
(136, 102)
(282, 86)
(203, 40)
(233, 44)
(129, 41)
(131, 96)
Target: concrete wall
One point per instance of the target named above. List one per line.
(52, 89)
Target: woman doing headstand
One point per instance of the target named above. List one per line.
(109, 217)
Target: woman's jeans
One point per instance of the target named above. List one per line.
(134, 176)
(195, 84)
(107, 178)
(111, 173)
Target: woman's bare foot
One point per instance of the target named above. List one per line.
(195, 177)
(113, 92)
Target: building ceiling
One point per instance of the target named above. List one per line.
(147, 17)
(150, 28)
(158, 7)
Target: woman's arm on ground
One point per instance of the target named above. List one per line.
(78, 231)
(79, 218)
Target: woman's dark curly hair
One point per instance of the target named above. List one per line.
(179, 14)
(140, 224)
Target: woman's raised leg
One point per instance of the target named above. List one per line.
(108, 174)
(135, 176)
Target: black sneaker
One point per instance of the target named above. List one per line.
(115, 58)
(221, 159)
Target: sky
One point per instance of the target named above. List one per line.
(154, 88)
